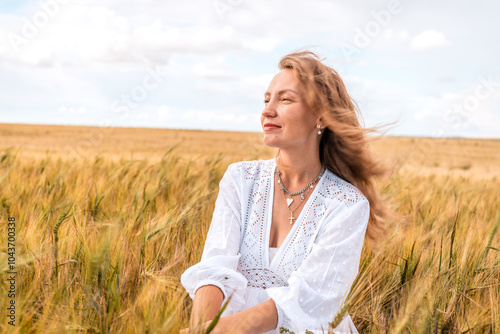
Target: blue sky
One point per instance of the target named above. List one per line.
(431, 67)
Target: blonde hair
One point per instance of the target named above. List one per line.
(344, 147)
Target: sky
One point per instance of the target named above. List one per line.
(427, 68)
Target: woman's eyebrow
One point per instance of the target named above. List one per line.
(283, 91)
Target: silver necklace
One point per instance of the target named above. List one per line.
(292, 218)
(289, 201)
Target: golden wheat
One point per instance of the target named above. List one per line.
(102, 239)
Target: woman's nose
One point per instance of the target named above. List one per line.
(269, 110)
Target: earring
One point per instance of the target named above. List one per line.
(319, 129)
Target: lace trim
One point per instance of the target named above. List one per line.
(263, 278)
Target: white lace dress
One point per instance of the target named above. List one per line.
(311, 272)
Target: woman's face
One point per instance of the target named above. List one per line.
(286, 120)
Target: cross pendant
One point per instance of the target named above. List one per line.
(291, 218)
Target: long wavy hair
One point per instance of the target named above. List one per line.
(344, 146)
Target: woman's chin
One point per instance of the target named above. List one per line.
(270, 140)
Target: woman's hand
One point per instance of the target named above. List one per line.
(202, 328)
(226, 325)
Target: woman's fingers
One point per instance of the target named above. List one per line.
(197, 329)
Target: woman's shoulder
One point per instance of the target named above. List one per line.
(339, 190)
(252, 169)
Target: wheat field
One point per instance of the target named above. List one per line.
(107, 219)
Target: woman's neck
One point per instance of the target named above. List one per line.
(297, 170)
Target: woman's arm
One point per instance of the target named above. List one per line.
(216, 277)
(219, 261)
(256, 320)
(207, 302)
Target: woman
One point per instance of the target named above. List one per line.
(286, 235)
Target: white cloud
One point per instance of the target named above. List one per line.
(69, 110)
(403, 35)
(84, 33)
(283, 19)
(360, 63)
(431, 108)
(391, 35)
(487, 120)
(261, 82)
(262, 44)
(142, 115)
(429, 39)
(213, 68)
(209, 117)
(163, 112)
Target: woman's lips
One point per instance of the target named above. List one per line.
(270, 127)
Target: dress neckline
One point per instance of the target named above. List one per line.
(298, 221)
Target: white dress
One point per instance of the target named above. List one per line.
(311, 272)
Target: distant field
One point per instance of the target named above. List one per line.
(472, 157)
(108, 219)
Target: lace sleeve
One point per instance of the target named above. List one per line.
(221, 252)
(317, 289)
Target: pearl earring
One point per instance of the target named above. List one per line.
(319, 129)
